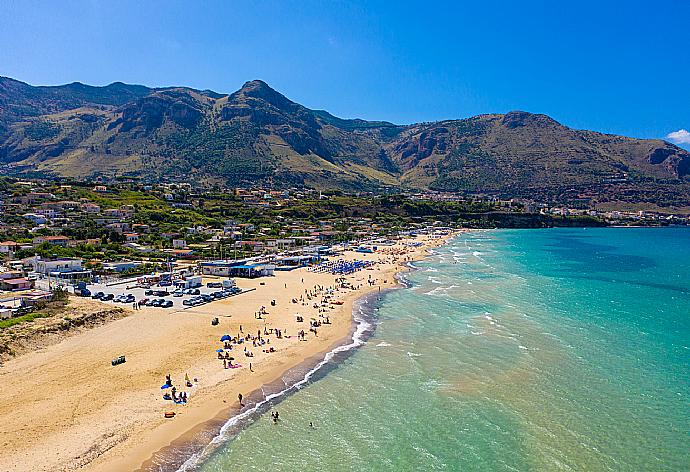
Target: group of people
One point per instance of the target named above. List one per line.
(341, 266)
(173, 395)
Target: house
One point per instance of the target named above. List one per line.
(64, 268)
(54, 240)
(179, 243)
(38, 219)
(36, 196)
(118, 227)
(46, 266)
(125, 211)
(180, 252)
(281, 244)
(138, 247)
(49, 213)
(9, 246)
(20, 283)
(324, 235)
(91, 208)
(132, 237)
(100, 188)
(121, 266)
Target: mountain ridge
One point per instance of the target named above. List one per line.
(256, 135)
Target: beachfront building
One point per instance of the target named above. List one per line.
(245, 268)
(281, 244)
(61, 269)
(121, 266)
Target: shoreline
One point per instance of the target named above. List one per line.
(107, 418)
(192, 446)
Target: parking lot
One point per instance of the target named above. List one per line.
(168, 294)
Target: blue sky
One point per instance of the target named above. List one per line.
(620, 67)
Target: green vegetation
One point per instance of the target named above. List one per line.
(257, 137)
(29, 317)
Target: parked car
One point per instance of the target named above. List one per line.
(166, 304)
(214, 284)
(164, 283)
(107, 297)
(98, 295)
(149, 292)
(178, 293)
(129, 298)
(191, 291)
(156, 302)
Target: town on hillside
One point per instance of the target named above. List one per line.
(71, 236)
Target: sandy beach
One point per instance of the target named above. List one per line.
(66, 408)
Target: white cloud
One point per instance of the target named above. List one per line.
(682, 136)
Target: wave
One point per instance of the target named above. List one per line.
(440, 291)
(364, 328)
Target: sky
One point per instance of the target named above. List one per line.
(612, 66)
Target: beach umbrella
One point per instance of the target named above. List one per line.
(219, 350)
(226, 337)
(163, 387)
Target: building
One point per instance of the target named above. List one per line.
(38, 219)
(237, 268)
(9, 246)
(54, 240)
(12, 285)
(281, 244)
(91, 208)
(179, 244)
(120, 266)
(63, 268)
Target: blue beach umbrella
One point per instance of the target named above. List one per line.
(219, 350)
(226, 337)
(163, 387)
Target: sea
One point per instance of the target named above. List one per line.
(507, 350)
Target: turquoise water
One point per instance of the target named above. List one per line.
(530, 350)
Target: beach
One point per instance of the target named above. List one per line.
(66, 408)
(509, 350)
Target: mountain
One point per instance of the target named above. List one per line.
(258, 136)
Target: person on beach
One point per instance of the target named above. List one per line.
(239, 397)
